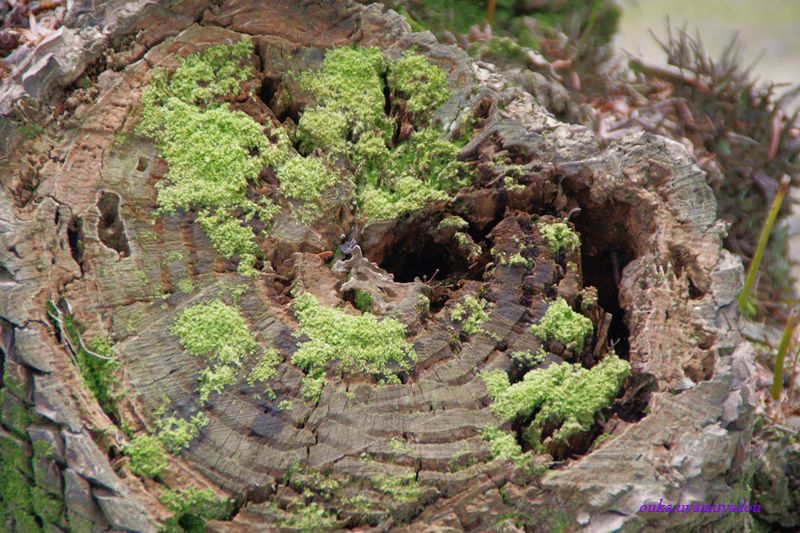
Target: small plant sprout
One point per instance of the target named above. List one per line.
(746, 305)
(783, 347)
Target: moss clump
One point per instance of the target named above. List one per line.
(349, 119)
(191, 507)
(204, 78)
(305, 179)
(218, 333)
(421, 84)
(100, 375)
(563, 324)
(147, 457)
(559, 236)
(566, 395)
(363, 301)
(212, 152)
(471, 314)
(403, 488)
(453, 222)
(176, 433)
(529, 359)
(307, 517)
(502, 444)
(350, 82)
(362, 344)
(265, 369)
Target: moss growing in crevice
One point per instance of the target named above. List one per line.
(192, 507)
(349, 119)
(563, 324)
(564, 395)
(147, 457)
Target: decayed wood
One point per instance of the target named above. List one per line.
(642, 198)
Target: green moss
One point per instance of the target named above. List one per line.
(563, 324)
(307, 517)
(351, 82)
(453, 222)
(407, 195)
(305, 179)
(147, 457)
(186, 286)
(420, 83)
(176, 433)
(312, 384)
(349, 119)
(191, 507)
(218, 333)
(471, 314)
(362, 344)
(564, 394)
(14, 414)
(363, 301)
(403, 488)
(230, 238)
(529, 359)
(212, 152)
(398, 445)
(324, 128)
(47, 507)
(265, 369)
(214, 330)
(100, 375)
(202, 79)
(559, 236)
(502, 444)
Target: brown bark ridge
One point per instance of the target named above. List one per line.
(75, 223)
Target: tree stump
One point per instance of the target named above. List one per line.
(78, 229)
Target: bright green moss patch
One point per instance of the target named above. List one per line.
(218, 333)
(502, 444)
(363, 301)
(192, 507)
(176, 433)
(147, 457)
(213, 152)
(305, 179)
(350, 82)
(203, 78)
(471, 314)
(559, 236)
(563, 324)
(350, 119)
(362, 344)
(420, 83)
(214, 330)
(565, 394)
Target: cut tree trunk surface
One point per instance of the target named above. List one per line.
(76, 225)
